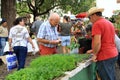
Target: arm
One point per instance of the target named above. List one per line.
(10, 42)
(27, 36)
(89, 51)
(97, 46)
(30, 40)
(48, 41)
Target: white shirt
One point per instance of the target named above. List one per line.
(117, 42)
(19, 35)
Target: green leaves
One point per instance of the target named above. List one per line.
(48, 67)
(42, 7)
(73, 45)
(78, 6)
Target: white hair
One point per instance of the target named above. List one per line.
(54, 16)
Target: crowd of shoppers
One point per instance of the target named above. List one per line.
(97, 38)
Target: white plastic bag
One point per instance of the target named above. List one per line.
(11, 60)
(74, 51)
(6, 48)
(30, 49)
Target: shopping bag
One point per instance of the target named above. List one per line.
(29, 46)
(74, 51)
(74, 47)
(6, 48)
(11, 60)
(30, 49)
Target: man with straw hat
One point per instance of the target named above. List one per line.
(103, 45)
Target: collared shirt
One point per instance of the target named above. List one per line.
(19, 35)
(48, 32)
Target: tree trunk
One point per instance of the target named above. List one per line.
(8, 11)
(34, 17)
(34, 14)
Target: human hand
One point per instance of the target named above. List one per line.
(55, 41)
(89, 51)
(94, 58)
(33, 47)
(58, 41)
(10, 48)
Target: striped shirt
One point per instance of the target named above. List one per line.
(48, 32)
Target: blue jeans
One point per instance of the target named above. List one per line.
(65, 40)
(2, 45)
(21, 53)
(106, 69)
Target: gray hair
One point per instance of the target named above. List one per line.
(54, 16)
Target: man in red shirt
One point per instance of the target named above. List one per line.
(103, 45)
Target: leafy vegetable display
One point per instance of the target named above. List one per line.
(48, 67)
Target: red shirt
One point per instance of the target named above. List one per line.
(105, 28)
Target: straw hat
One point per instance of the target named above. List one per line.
(94, 10)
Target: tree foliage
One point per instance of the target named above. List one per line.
(42, 7)
(22, 8)
(77, 6)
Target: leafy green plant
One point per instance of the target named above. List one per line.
(48, 67)
(73, 45)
